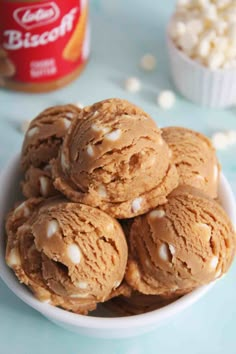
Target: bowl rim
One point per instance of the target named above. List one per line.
(191, 61)
(64, 316)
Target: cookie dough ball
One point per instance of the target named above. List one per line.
(114, 158)
(42, 142)
(186, 243)
(195, 159)
(70, 255)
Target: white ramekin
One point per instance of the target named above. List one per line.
(99, 326)
(213, 89)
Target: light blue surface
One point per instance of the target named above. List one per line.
(122, 31)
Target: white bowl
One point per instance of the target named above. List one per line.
(99, 324)
(199, 84)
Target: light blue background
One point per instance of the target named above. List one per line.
(122, 31)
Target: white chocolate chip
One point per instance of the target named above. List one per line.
(90, 150)
(148, 62)
(25, 126)
(157, 214)
(95, 114)
(67, 123)
(64, 163)
(204, 230)
(79, 105)
(210, 12)
(32, 132)
(46, 301)
(79, 296)
(110, 227)
(116, 284)
(24, 208)
(81, 284)
(163, 252)
(213, 263)
(13, 258)
(136, 204)
(102, 191)
(114, 135)
(172, 249)
(99, 128)
(52, 228)
(132, 84)
(69, 115)
(44, 182)
(166, 99)
(200, 177)
(74, 253)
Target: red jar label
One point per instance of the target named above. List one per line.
(42, 41)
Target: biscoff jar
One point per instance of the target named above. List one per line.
(43, 44)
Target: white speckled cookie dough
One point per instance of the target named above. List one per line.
(186, 243)
(114, 158)
(195, 159)
(70, 255)
(42, 142)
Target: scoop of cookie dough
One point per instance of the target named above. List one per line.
(42, 142)
(70, 255)
(114, 158)
(195, 159)
(183, 244)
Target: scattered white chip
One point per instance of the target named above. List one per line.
(114, 135)
(116, 284)
(25, 126)
(166, 99)
(46, 301)
(74, 253)
(172, 249)
(133, 84)
(32, 132)
(110, 227)
(163, 252)
(183, 3)
(215, 172)
(67, 123)
(214, 261)
(136, 204)
(79, 296)
(157, 214)
(44, 183)
(79, 105)
(64, 163)
(81, 285)
(13, 258)
(53, 227)
(148, 62)
(204, 230)
(99, 128)
(69, 115)
(210, 12)
(24, 208)
(187, 42)
(102, 191)
(90, 150)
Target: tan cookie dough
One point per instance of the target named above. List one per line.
(195, 159)
(70, 255)
(183, 244)
(114, 158)
(42, 142)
